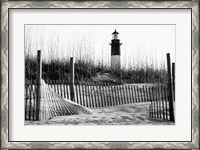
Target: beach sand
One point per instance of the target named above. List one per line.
(131, 114)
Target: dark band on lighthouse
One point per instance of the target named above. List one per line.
(115, 51)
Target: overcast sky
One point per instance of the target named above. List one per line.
(141, 44)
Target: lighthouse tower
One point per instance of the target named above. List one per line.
(115, 51)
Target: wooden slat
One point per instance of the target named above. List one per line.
(147, 94)
(76, 94)
(124, 93)
(34, 97)
(101, 95)
(138, 94)
(133, 95)
(162, 99)
(121, 94)
(90, 96)
(113, 95)
(30, 102)
(166, 102)
(143, 94)
(26, 99)
(110, 93)
(141, 97)
(154, 102)
(158, 103)
(130, 93)
(127, 94)
(80, 94)
(95, 99)
(64, 90)
(86, 96)
(57, 86)
(104, 95)
(149, 90)
(118, 94)
(53, 85)
(152, 108)
(159, 106)
(98, 95)
(68, 92)
(61, 89)
(112, 98)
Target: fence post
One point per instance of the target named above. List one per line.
(72, 78)
(170, 88)
(173, 79)
(38, 82)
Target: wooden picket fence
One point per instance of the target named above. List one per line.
(105, 95)
(102, 95)
(89, 95)
(160, 107)
(163, 96)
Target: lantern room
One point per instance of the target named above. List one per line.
(115, 35)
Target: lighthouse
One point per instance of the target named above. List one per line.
(115, 51)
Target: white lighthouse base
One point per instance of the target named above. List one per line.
(115, 62)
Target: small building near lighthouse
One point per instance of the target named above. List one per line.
(115, 51)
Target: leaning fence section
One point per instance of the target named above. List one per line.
(51, 104)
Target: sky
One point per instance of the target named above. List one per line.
(141, 44)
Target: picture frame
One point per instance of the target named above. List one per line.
(6, 6)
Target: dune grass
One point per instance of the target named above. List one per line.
(86, 69)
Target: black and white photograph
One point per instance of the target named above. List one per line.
(99, 74)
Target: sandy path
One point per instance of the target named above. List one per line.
(133, 114)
